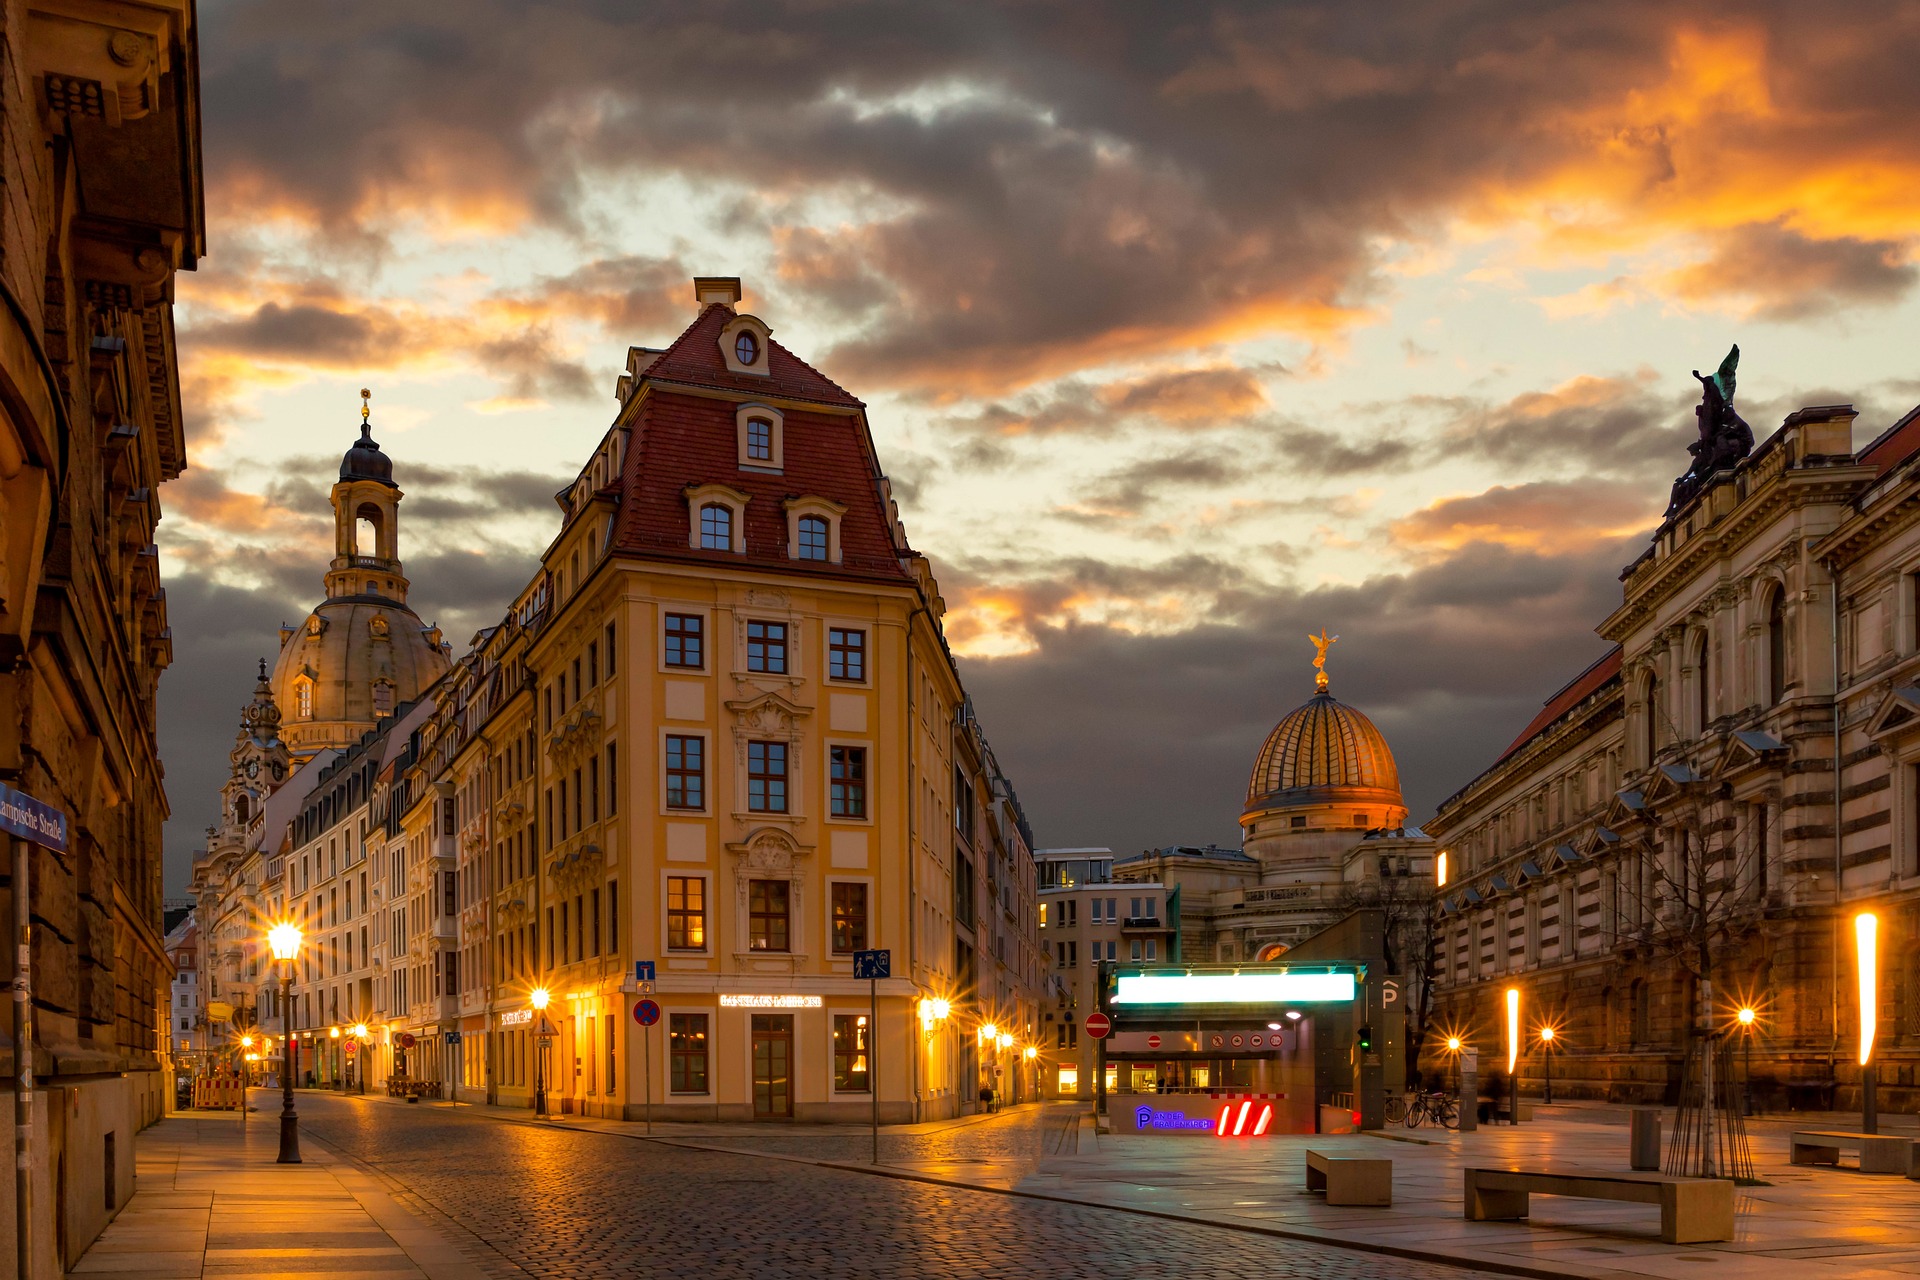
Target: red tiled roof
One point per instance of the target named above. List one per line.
(1895, 445)
(695, 357)
(681, 440)
(1575, 692)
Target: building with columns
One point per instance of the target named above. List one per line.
(1692, 824)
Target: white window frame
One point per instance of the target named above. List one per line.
(731, 330)
(822, 508)
(706, 495)
(745, 414)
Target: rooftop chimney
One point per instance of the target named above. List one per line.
(724, 290)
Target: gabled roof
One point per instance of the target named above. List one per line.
(1576, 691)
(1894, 445)
(694, 357)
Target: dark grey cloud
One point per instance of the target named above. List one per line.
(1058, 184)
(1788, 276)
(1130, 741)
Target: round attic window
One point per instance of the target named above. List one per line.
(746, 348)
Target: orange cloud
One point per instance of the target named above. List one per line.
(1547, 517)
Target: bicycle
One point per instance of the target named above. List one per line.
(1439, 1109)
(1397, 1109)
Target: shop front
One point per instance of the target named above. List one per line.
(1247, 1051)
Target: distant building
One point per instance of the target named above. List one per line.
(1687, 788)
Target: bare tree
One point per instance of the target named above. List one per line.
(1409, 934)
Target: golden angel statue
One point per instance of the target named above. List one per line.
(1321, 643)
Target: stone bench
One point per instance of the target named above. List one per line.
(1350, 1180)
(1879, 1153)
(1691, 1209)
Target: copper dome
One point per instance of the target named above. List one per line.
(1323, 753)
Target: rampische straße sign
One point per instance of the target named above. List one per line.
(23, 816)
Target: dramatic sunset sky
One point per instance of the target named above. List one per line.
(1186, 328)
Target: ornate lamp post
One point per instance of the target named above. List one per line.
(360, 1037)
(539, 1000)
(284, 941)
(1745, 1017)
(1546, 1058)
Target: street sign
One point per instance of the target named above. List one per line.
(643, 971)
(646, 1013)
(42, 824)
(406, 1040)
(453, 1037)
(1153, 1042)
(1098, 1024)
(643, 988)
(872, 965)
(351, 1046)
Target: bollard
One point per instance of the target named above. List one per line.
(1644, 1138)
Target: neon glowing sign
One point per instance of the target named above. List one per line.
(1148, 1118)
(1234, 988)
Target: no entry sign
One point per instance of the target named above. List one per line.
(1153, 1042)
(1098, 1024)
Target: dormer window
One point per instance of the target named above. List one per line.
(813, 538)
(743, 346)
(759, 429)
(716, 527)
(716, 518)
(746, 348)
(813, 529)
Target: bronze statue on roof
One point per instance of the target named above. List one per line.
(1725, 437)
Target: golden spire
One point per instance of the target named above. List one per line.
(366, 406)
(1321, 643)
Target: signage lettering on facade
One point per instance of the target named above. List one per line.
(771, 1002)
(1148, 1118)
(516, 1017)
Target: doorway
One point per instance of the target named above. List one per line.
(772, 1066)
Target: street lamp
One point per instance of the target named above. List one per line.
(339, 1065)
(1866, 928)
(1546, 1057)
(360, 1034)
(284, 941)
(1745, 1017)
(1513, 1055)
(538, 999)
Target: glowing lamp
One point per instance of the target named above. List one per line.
(1746, 1015)
(1031, 1053)
(1546, 1035)
(1866, 927)
(1453, 1044)
(539, 997)
(989, 1031)
(932, 1010)
(334, 1032)
(284, 941)
(1513, 1028)
(359, 1031)
(1440, 870)
(246, 1042)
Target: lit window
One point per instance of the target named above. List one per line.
(303, 700)
(759, 432)
(687, 1051)
(813, 538)
(716, 527)
(767, 777)
(846, 654)
(746, 348)
(686, 913)
(850, 1053)
(767, 647)
(849, 918)
(767, 915)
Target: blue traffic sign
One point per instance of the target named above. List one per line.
(646, 1013)
(872, 964)
(42, 824)
(643, 971)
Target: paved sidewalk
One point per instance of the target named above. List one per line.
(211, 1201)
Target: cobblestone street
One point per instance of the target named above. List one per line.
(557, 1202)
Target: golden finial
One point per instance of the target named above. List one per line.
(1321, 643)
(366, 405)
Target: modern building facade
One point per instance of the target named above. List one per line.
(100, 118)
(1693, 823)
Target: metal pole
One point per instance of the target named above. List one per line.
(1746, 1075)
(1549, 1069)
(289, 1119)
(22, 1063)
(873, 1062)
(1870, 1098)
(646, 1080)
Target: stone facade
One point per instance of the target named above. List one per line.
(100, 206)
(1661, 846)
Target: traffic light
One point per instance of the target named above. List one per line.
(1366, 1039)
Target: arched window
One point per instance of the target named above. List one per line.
(303, 699)
(1702, 686)
(1777, 648)
(1650, 722)
(242, 809)
(716, 527)
(813, 538)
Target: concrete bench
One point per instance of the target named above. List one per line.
(1351, 1180)
(1691, 1209)
(1879, 1153)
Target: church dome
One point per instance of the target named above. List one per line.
(364, 461)
(353, 662)
(1323, 753)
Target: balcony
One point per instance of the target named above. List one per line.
(1143, 924)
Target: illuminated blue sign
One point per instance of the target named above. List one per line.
(1148, 1118)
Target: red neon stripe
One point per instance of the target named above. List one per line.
(1241, 1123)
(1266, 1118)
(1220, 1130)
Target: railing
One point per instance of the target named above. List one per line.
(1142, 922)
